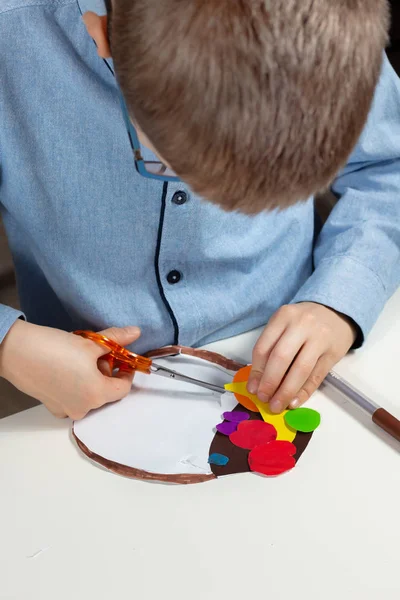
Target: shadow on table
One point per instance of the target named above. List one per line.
(361, 417)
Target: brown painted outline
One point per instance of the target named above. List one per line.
(138, 473)
(187, 478)
(182, 478)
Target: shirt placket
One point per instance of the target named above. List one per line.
(178, 242)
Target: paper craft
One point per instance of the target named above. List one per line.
(165, 429)
(303, 419)
(227, 427)
(250, 434)
(284, 432)
(218, 459)
(273, 458)
(246, 399)
(235, 416)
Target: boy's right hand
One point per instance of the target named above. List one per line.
(61, 369)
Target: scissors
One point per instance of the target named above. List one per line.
(119, 357)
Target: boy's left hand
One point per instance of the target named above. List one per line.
(296, 351)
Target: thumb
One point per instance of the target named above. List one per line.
(122, 335)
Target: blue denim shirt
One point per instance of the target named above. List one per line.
(94, 243)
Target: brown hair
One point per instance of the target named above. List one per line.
(254, 103)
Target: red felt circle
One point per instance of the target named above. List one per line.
(250, 434)
(273, 458)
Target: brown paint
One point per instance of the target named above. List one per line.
(387, 422)
(133, 473)
(212, 357)
(181, 478)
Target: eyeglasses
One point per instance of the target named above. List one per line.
(147, 168)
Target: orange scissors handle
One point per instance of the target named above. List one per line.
(118, 357)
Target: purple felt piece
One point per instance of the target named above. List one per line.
(226, 427)
(235, 416)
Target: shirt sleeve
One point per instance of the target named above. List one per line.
(8, 316)
(357, 254)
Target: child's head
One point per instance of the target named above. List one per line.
(254, 103)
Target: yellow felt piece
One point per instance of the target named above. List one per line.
(284, 432)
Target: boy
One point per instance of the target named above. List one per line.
(255, 105)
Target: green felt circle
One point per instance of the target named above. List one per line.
(303, 419)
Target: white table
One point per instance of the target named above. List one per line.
(327, 530)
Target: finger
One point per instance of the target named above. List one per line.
(124, 336)
(320, 371)
(59, 414)
(119, 386)
(296, 377)
(125, 373)
(79, 414)
(279, 361)
(110, 389)
(262, 350)
(56, 410)
(104, 367)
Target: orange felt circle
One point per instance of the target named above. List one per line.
(243, 375)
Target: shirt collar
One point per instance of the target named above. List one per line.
(96, 6)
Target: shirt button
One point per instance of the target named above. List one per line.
(179, 198)
(174, 277)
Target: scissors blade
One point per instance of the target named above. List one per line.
(170, 374)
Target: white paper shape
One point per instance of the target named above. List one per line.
(164, 426)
